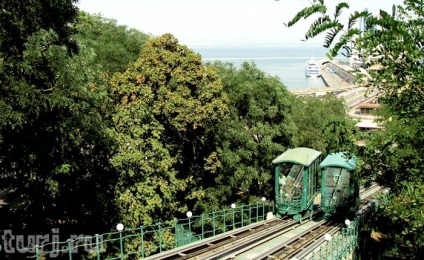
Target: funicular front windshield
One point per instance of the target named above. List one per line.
(336, 185)
(290, 181)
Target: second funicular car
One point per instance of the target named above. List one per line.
(339, 189)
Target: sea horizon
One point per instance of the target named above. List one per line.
(286, 63)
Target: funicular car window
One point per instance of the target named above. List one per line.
(290, 181)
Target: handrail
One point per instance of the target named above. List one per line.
(144, 241)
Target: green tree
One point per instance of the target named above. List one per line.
(165, 102)
(115, 45)
(323, 124)
(392, 157)
(20, 19)
(52, 146)
(259, 127)
(395, 154)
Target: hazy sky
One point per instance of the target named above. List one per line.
(221, 22)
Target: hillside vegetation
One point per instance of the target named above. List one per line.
(103, 124)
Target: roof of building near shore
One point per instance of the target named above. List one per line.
(369, 105)
(370, 124)
(375, 67)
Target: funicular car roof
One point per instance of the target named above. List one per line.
(301, 155)
(340, 159)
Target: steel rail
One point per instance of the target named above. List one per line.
(312, 247)
(318, 241)
(302, 244)
(208, 243)
(236, 242)
(302, 241)
(242, 245)
(296, 243)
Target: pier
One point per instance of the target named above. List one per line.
(339, 79)
(317, 91)
(335, 75)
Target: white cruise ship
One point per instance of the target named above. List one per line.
(312, 69)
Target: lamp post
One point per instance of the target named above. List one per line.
(189, 214)
(374, 204)
(263, 207)
(347, 222)
(347, 235)
(120, 228)
(359, 214)
(233, 206)
(328, 238)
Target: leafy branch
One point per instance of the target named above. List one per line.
(307, 12)
(332, 26)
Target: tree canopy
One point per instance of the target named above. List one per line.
(165, 102)
(100, 123)
(257, 129)
(114, 45)
(322, 124)
(52, 138)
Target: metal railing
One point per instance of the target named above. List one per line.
(149, 240)
(145, 241)
(342, 245)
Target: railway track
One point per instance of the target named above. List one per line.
(295, 245)
(236, 249)
(365, 196)
(271, 239)
(305, 242)
(227, 245)
(302, 244)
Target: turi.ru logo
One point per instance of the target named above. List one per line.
(49, 243)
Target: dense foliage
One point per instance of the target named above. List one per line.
(98, 124)
(258, 128)
(52, 142)
(115, 46)
(322, 124)
(165, 102)
(396, 154)
(392, 157)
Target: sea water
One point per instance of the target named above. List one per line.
(284, 62)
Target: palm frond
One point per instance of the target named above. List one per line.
(356, 16)
(321, 25)
(331, 35)
(348, 50)
(386, 21)
(307, 12)
(339, 9)
(344, 40)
